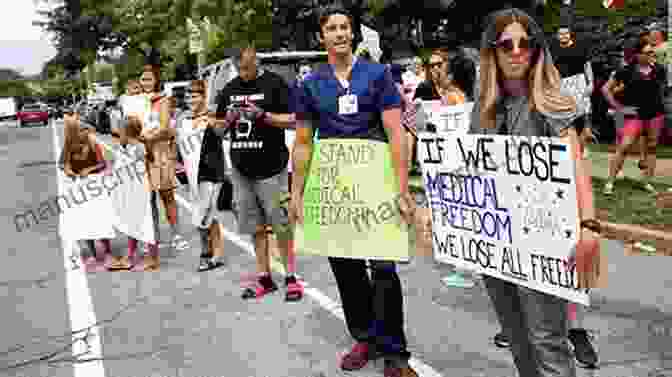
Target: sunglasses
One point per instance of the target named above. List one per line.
(523, 44)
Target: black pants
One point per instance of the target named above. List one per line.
(373, 307)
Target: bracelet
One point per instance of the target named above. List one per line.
(591, 224)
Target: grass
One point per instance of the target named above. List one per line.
(662, 151)
(630, 204)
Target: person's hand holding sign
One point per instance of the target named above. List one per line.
(407, 207)
(586, 258)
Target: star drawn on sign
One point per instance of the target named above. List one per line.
(560, 193)
(73, 260)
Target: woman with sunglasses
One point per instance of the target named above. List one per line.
(520, 95)
(431, 88)
(643, 109)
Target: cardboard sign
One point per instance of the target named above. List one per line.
(504, 206)
(351, 205)
(448, 118)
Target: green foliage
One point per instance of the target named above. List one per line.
(376, 6)
(593, 8)
(15, 88)
(240, 24)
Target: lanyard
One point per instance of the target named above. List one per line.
(347, 83)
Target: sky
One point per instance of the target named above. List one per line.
(23, 47)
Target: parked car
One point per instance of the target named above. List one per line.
(33, 113)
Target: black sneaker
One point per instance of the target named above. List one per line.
(502, 341)
(583, 350)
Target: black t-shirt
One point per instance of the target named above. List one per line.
(570, 61)
(259, 151)
(645, 93)
(426, 92)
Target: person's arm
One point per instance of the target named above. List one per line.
(302, 152)
(225, 118)
(584, 186)
(283, 121)
(586, 256)
(608, 92)
(590, 79)
(389, 103)
(301, 155)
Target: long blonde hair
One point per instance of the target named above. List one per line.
(544, 78)
(72, 138)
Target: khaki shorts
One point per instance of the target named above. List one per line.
(262, 202)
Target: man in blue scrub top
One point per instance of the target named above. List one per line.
(353, 98)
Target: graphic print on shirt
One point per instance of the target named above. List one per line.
(244, 137)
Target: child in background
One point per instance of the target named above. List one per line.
(135, 150)
(83, 156)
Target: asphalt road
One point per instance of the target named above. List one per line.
(180, 323)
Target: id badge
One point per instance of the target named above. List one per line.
(347, 104)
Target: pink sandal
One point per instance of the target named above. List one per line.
(294, 291)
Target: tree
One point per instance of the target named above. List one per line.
(15, 88)
(617, 17)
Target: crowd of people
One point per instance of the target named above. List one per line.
(522, 84)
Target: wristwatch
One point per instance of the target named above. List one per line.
(591, 224)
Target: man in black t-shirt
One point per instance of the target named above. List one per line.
(571, 58)
(256, 108)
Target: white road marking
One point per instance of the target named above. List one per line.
(323, 300)
(80, 304)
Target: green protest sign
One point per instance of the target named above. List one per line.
(351, 205)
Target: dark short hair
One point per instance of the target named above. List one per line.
(332, 10)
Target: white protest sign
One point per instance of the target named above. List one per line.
(131, 201)
(190, 142)
(504, 206)
(371, 41)
(448, 118)
(290, 136)
(89, 214)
